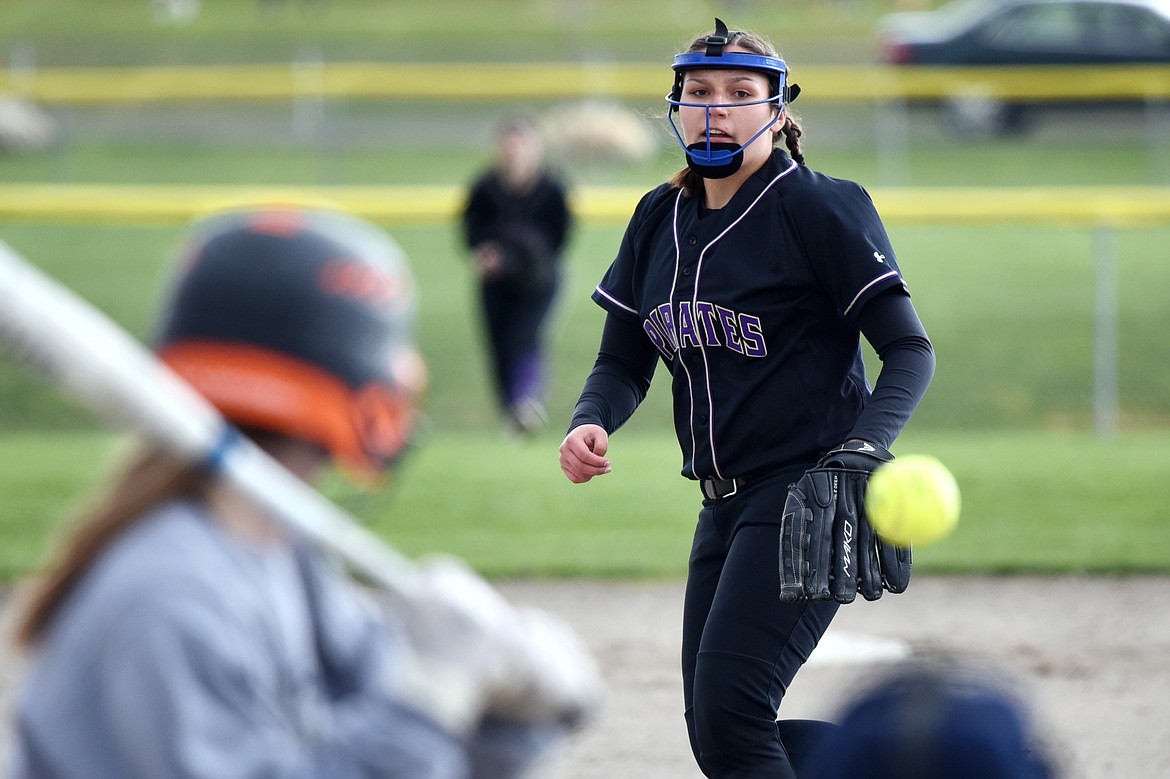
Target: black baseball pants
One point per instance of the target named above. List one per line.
(741, 645)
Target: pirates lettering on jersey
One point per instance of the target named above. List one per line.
(704, 324)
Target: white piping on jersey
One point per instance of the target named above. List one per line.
(861, 292)
(615, 301)
(792, 165)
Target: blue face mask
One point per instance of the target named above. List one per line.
(717, 160)
(720, 160)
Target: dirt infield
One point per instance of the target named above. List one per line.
(1092, 654)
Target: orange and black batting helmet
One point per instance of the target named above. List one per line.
(299, 321)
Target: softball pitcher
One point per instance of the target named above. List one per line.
(751, 278)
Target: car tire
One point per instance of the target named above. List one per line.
(979, 116)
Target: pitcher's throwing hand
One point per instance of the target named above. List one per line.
(583, 453)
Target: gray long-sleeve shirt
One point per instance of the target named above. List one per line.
(184, 653)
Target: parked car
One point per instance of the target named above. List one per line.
(1024, 33)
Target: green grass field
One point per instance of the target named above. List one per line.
(1037, 502)
(1009, 307)
(126, 31)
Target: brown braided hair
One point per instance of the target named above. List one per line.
(791, 131)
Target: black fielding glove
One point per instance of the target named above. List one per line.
(805, 530)
(880, 564)
(896, 562)
(827, 547)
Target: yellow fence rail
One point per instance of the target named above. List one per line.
(555, 80)
(1118, 206)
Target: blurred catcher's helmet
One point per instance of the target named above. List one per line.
(299, 321)
(925, 722)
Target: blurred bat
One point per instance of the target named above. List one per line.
(85, 352)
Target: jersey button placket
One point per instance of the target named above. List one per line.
(700, 421)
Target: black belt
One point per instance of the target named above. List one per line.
(721, 488)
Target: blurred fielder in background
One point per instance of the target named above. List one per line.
(184, 633)
(516, 223)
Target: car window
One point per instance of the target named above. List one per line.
(1135, 31)
(958, 16)
(1048, 26)
(1106, 29)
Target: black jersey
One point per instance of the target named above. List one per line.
(531, 226)
(753, 309)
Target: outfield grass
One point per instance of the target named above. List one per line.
(126, 31)
(1008, 307)
(978, 165)
(1102, 511)
(1010, 310)
(1009, 410)
(1032, 502)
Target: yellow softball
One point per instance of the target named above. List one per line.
(913, 500)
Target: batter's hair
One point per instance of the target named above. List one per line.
(791, 131)
(150, 477)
